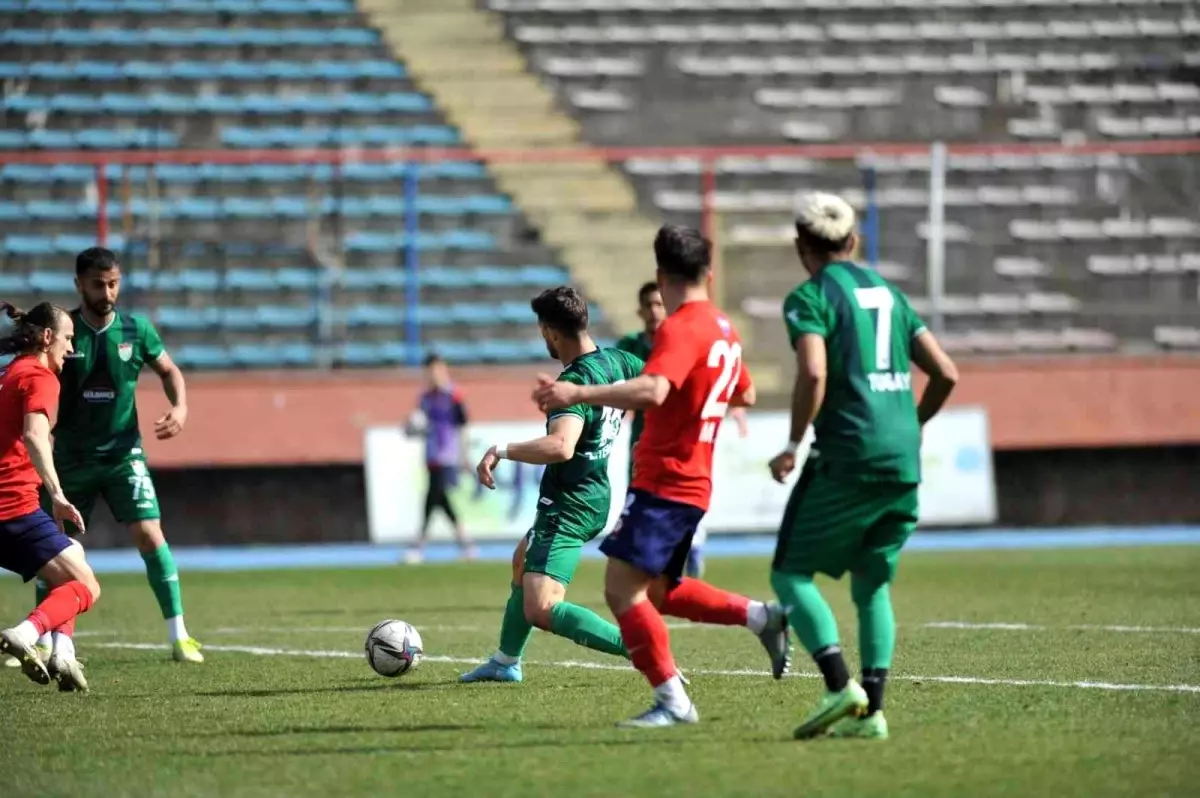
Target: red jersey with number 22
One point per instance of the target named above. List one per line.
(697, 350)
(26, 386)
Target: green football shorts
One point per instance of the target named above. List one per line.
(554, 548)
(124, 483)
(835, 524)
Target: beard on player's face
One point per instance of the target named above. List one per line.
(550, 348)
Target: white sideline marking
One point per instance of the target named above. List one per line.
(1081, 627)
(601, 666)
(686, 625)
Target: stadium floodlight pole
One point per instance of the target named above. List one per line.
(412, 277)
(101, 203)
(871, 222)
(936, 235)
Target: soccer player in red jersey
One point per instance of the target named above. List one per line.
(692, 377)
(32, 543)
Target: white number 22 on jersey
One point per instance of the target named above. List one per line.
(728, 358)
(879, 298)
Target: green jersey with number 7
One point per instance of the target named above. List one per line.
(867, 427)
(579, 489)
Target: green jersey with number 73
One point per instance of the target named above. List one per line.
(867, 427)
(578, 490)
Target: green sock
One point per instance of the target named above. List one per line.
(515, 630)
(876, 622)
(581, 625)
(807, 610)
(164, 581)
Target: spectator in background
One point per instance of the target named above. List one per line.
(442, 417)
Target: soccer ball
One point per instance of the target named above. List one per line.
(394, 648)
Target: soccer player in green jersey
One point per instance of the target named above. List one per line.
(97, 445)
(855, 505)
(574, 499)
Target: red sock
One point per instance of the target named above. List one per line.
(700, 601)
(61, 606)
(648, 641)
(67, 628)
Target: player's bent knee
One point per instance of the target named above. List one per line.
(864, 587)
(147, 535)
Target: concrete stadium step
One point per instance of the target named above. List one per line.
(460, 55)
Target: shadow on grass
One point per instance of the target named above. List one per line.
(428, 727)
(344, 688)
(665, 742)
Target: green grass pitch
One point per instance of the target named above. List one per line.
(1070, 673)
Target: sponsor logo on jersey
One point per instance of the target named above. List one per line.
(99, 394)
(74, 356)
(125, 351)
(887, 381)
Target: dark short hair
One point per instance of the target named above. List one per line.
(433, 358)
(682, 253)
(645, 291)
(97, 258)
(28, 326)
(561, 309)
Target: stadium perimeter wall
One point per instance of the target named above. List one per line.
(277, 457)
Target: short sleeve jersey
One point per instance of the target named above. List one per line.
(637, 344)
(578, 491)
(446, 415)
(97, 409)
(698, 351)
(867, 426)
(26, 386)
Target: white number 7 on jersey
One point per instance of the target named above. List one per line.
(879, 298)
(728, 357)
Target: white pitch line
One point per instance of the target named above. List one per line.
(1082, 627)
(601, 666)
(685, 626)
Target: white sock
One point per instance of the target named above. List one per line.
(27, 632)
(176, 629)
(64, 646)
(757, 616)
(45, 641)
(504, 659)
(672, 695)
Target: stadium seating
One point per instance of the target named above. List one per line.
(1043, 251)
(308, 259)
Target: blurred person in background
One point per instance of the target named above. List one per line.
(441, 417)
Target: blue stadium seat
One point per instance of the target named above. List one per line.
(374, 316)
(286, 317)
(183, 318)
(496, 276)
(199, 208)
(435, 315)
(457, 351)
(474, 313)
(467, 240)
(240, 318)
(28, 245)
(364, 241)
(544, 275)
(371, 279)
(502, 351)
(68, 244)
(14, 283)
(12, 140)
(514, 313)
(202, 280)
(247, 208)
(298, 279)
(240, 279)
(12, 212)
(268, 355)
(25, 103)
(400, 352)
(291, 207)
(56, 282)
(201, 356)
(445, 277)
(51, 139)
(354, 353)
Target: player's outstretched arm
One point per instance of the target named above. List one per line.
(644, 391)
(807, 396)
(556, 446)
(172, 422)
(930, 358)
